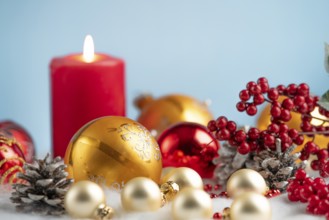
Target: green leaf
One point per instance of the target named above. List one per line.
(324, 105)
(324, 101)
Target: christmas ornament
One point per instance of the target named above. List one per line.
(245, 180)
(86, 199)
(158, 114)
(14, 131)
(141, 194)
(191, 145)
(112, 150)
(45, 184)
(250, 206)
(264, 121)
(191, 204)
(276, 167)
(184, 177)
(169, 190)
(11, 160)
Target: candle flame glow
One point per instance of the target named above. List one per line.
(88, 49)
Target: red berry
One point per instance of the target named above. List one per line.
(240, 136)
(273, 128)
(250, 84)
(259, 99)
(264, 87)
(223, 134)
(310, 147)
(281, 89)
(253, 133)
(285, 115)
(241, 106)
(284, 128)
(315, 165)
(303, 108)
(306, 192)
(273, 94)
(256, 89)
(292, 89)
(217, 215)
(221, 122)
(275, 111)
(288, 104)
(300, 174)
(284, 137)
(244, 95)
(299, 100)
(299, 140)
(306, 126)
(262, 80)
(212, 125)
(231, 126)
(293, 133)
(303, 89)
(269, 140)
(251, 110)
(244, 148)
(322, 154)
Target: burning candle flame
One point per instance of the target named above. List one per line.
(88, 49)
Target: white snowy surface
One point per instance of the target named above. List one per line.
(282, 209)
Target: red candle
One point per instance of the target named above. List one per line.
(84, 87)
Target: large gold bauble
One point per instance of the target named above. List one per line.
(112, 150)
(158, 114)
(265, 119)
(184, 177)
(245, 180)
(192, 204)
(141, 194)
(83, 199)
(250, 206)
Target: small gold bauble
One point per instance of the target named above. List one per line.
(245, 180)
(191, 204)
(250, 206)
(169, 190)
(159, 114)
(83, 199)
(141, 194)
(184, 177)
(112, 150)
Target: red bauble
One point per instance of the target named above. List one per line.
(14, 131)
(11, 160)
(190, 145)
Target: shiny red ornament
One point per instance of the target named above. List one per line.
(14, 131)
(189, 144)
(11, 160)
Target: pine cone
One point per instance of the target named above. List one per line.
(275, 166)
(228, 162)
(44, 189)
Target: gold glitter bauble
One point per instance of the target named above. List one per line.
(141, 194)
(184, 177)
(245, 180)
(264, 121)
(158, 114)
(112, 150)
(250, 206)
(83, 199)
(192, 204)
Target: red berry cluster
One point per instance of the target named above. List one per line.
(297, 99)
(315, 192)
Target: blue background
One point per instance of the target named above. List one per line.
(207, 49)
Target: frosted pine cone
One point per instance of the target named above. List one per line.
(45, 187)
